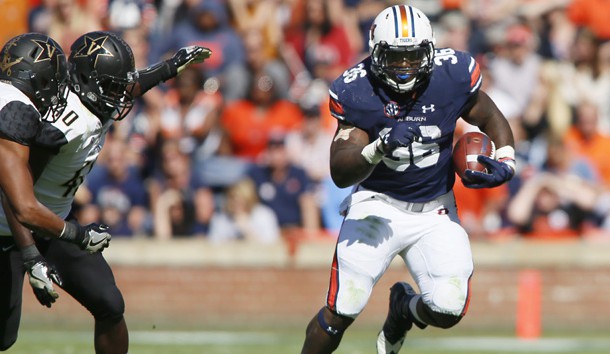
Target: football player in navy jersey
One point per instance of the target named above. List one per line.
(397, 111)
(103, 85)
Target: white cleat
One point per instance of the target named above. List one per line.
(385, 347)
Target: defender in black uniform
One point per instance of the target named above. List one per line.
(104, 82)
(33, 89)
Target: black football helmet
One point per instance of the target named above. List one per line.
(36, 65)
(102, 69)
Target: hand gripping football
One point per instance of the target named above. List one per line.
(467, 148)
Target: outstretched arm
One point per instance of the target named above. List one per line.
(165, 70)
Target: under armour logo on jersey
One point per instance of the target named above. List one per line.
(93, 46)
(430, 108)
(48, 50)
(391, 109)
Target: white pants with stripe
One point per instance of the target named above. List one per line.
(377, 228)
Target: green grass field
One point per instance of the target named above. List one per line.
(285, 341)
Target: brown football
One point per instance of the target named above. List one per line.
(466, 150)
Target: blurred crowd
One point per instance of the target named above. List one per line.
(238, 147)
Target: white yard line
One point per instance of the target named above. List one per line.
(451, 344)
(512, 345)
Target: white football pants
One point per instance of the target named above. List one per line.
(433, 245)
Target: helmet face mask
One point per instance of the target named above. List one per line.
(401, 46)
(58, 101)
(36, 65)
(115, 95)
(402, 67)
(103, 74)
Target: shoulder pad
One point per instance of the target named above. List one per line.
(19, 122)
(458, 66)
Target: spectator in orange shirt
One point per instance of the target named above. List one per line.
(249, 122)
(585, 140)
(552, 207)
(480, 210)
(561, 200)
(592, 14)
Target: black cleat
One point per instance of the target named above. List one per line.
(391, 337)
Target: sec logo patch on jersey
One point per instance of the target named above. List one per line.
(466, 150)
(391, 109)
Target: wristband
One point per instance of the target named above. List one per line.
(72, 233)
(30, 253)
(506, 154)
(372, 153)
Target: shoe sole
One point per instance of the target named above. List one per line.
(382, 345)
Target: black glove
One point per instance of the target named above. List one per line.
(189, 55)
(498, 173)
(91, 238)
(42, 276)
(402, 134)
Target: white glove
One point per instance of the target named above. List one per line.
(91, 238)
(42, 276)
(95, 238)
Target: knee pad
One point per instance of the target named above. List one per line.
(109, 306)
(439, 319)
(450, 296)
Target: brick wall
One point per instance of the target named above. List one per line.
(212, 296)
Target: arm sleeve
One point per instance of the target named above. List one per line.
(155, 74)
(19, 122)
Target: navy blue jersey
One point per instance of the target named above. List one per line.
(421, 171)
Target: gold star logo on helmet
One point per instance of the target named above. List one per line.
(93, 46)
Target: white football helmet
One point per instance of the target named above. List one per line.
(401, 45)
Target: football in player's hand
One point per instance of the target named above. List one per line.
(466, 150)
